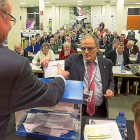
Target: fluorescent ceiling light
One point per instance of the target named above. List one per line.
(79, 4)
(79, 1)
(137, 3)
(47, 2)
(22, 3)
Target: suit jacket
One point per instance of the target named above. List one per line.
(62, 39)
(21, 90)
(74, 47)
(36, 48)
(25, 54)
(44, 40)
(54, 48)
(112, 55)
(134, 50)
(101, 44)
(74, 64)
(75, 40)
(109, 36)
(59, 43)
(131, 36)
(124, 42)
(108, 48)
(49, 37)
(112, 38)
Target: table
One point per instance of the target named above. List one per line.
(10, 134)
(36, 69)
(132, 59)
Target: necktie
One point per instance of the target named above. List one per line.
(91, 105)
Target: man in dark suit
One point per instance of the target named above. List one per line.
(77, 65)
(115, 36)
(62, 38)
(104, 42)
(131, 49)
(37, 36)
(20, 89)
(50, 36)
(123, 40)
(44, 38)
(109, 35)
(118, 57)
(72, 45)
(111, 46)
(74, 38)
(58, 41)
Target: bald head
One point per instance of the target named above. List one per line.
(18, 48)
(33, 41)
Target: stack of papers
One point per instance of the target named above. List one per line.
(108, 131)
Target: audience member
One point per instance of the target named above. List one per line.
(58, 32)
(131, 35)
(131, 49)
(34, 47)
(72, 45)
(62, 38)
(99, 37)
(65, 53)
(75, 39)
(109, 35)
(118, 57)
(104, 42)
(67, 33)
(122, 39)
(58, 41)
(53, 46)
(18, 49)
(76, 32)
(111, 46)
(74, 26)
(37, 37)
(102, 25)
(103, 33)
(136, 112)
(115, 36)
(44, 38)
(50, 36)
(62, 30)
(45, 52)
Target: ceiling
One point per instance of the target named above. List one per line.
(35, 3)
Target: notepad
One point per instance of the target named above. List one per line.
(51, 70)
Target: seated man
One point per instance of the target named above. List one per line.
(58, 41)
(58, 32)
(104, 42)
(65, 53)
(111, 46)
(18, 49)
(44, 38)
(76, 32)
(53, 46)
(122, 39)
(72, 45)
(115, 36)
(118, 57)
(34, 47)
(50, 36)
(45, 52)
(136, 111)
(75, 39)
(62, 38)
(131, 49)
(99, 37)
(37, 36)
(131, 35)
(109, 35)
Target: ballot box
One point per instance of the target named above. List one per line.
(60, 122)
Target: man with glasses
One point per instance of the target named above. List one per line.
(119, 57)
(20, 89)
(115, 36)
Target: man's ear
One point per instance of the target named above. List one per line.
(98, 48)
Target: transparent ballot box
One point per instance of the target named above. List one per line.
(60, 122)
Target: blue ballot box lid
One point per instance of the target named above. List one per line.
(73, 91)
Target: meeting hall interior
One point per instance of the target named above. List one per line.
(74, 33)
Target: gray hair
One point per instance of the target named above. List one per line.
(3, 6)
(131, 41)
(44, 44)
(115, 32)
(115, 41)
(120, 44)
(66, 43)
(92, 36)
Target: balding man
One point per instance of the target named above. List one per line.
(34, 47)
(62, 38)
(74, 38)
(18, 49)
(115, 36)
(20, 89)
(109, 35)
(131, 48)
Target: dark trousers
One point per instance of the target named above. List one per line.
(100, 111)
(123, 84)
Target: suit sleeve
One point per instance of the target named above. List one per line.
(69, 62)
(128, 60)
(28, 48)
(25, 53)
(29, 92)
(138, 59)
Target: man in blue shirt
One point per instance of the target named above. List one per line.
(34, 47)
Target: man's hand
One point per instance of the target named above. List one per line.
(132, 55)
(66, 53)
(37, 64)
(21, 53)
(44, 62)
(61, 72)
(30, 53)
(109, 94)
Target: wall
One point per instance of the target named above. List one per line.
(23, 13)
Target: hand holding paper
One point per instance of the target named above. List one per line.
(44, 62)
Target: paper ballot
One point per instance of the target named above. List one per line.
(51, 70)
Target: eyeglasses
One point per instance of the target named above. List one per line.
(13, 19)
(88, 48)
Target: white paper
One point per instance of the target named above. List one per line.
(51, 70)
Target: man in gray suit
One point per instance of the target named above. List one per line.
(131, 35)
(58, 41)
(20, 89)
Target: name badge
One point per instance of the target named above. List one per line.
(87, 95)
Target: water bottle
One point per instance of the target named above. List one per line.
(122, 68)
(121, 122)
(137, 55)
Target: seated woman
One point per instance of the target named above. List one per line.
(45, 52)
(66, 52)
